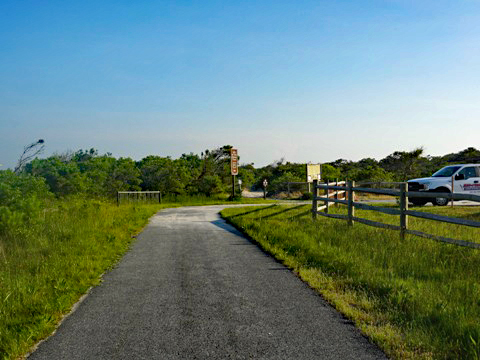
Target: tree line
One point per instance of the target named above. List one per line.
(102, 175)
(88, 172)
(396, 167)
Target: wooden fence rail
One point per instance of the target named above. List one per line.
(131, 196)
(348, 189)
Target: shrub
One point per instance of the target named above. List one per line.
(307, 196)
(22, 199)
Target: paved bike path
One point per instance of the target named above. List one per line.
(192, 287)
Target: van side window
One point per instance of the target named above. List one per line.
(477, 169)
(469, 172)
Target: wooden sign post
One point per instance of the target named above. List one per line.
(233, 168)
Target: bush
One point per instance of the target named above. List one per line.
(307, 196)
(280, 183)
(210, 185)
(237, 197)
(22, 199)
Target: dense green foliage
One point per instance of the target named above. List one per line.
(401, 165)
(87, 172)
(22, 200)
(416, 298)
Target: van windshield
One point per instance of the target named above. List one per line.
(446, 171)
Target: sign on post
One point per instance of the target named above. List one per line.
(234, 161)
(265, 183)
(314, 172)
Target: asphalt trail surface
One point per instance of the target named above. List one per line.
(192, 287)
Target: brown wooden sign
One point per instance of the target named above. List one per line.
(234, 161)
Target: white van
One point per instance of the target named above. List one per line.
(466, 180)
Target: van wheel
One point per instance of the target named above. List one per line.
(441, 201)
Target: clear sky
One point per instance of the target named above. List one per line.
(305, 80)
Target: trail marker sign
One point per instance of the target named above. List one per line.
(234, 161)
(314, 172)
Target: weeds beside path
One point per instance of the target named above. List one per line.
(49, 263)
(193, 288)
(45, 268)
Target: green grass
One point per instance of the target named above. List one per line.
(416, 298)
(192, 200)
(47, 267)
(44, 269)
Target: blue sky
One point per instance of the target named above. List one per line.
(305, 80)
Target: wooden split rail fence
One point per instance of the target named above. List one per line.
(333, 192)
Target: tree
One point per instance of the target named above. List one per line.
(216, 161)
(215, 164)
(63, 178)
(164, 174)
(96, 170)
(330, 173)
(29, 152)
(246, 173)
(125, 176)
(279, 183)
(469, 155)
(403, 164)
(210, 185)
(374, 173)
(344, 168)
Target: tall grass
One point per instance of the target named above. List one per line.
(416, 298)
(46, 266)
(53, 251)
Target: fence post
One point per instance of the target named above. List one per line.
(403, 209)
(351, 208)
(336, 192)
(314, 201)
(118, 198)
(346, 190)
(288, 189)
(453, 186)
(326, 196)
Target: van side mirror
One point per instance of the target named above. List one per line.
(460, 177)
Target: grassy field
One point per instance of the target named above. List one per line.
(47, 265)
(416, 298)
(44, 269)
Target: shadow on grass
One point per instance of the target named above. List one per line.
(295, 217)
(252, 211)
(280, 212)
(474, 216)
